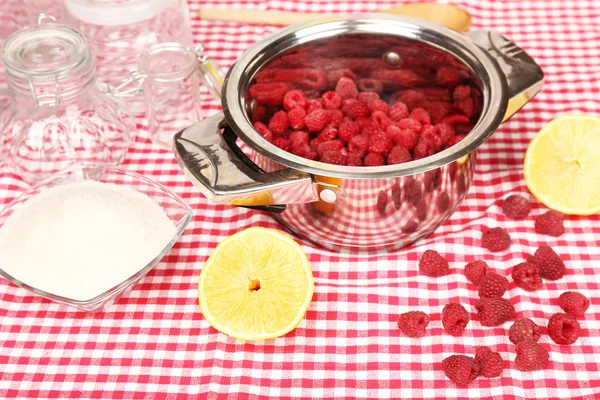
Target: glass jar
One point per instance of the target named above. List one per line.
(119, 31)
(57, 115)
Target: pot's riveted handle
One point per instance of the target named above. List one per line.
(524, 76)
(215, 165)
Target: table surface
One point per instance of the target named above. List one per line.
(155, 343)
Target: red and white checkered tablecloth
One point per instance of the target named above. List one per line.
(155, 343)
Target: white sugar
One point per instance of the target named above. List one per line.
(81, 239)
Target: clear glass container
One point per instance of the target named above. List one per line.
(175, 208)
(119, 31)
(57, 115)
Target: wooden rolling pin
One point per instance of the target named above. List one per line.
(448, 15)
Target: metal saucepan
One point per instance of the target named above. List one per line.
(357, 207)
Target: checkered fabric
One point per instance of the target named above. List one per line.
(154, 343)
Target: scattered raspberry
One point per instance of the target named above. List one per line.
(398, 155)
(454, 318)
(346, 88)
(398, 111)
(531, 356)
(573, 303)
(282, 143)
(460, 369)
(264, 131)
(379, 144)
(527, 276)
(331, 100)
(492, 285)
(524, 329)
(495, 239)
(421, 115)
(413, 323)
(494, 311)
(294, 99)
(312, 105)
(347, 130)
(443, 202)
(550, 264)
(269, 93)
(433, 264)
(316, 120)
(373, 160)
(378, 105)
(404, 137)
(296, 118)
(279, 122)
(382, 202)
(550, 223)
(516, 206)
(563, 328)
(476, 270)
(490, 363)
(330, 145)
(447, 76)
(333, 157)
(397, 195)
(370, 85)
(367, 97)
(359, 143)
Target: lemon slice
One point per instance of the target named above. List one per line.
(562, 165)
(257, 284)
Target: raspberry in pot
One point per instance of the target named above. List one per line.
(346, 88)
(294, 99)
(550, 264)
(373, 160)
(531, 356)
(347, 130)
(550, 223)
(574, 303)
(516, 206)
(335, 145)
(433, 264)
(264, 131)
(370, 85)
(279, 122)
(527, 276)
(476, 270)
(359, 143)
(455, 318)
(367, 97)
(494, 311)
(413, 323)
(317, 120)
(495, 239)
(492, 285)
(398, 111)
(421, 115)
(398, 155)
(296, 118)
(337, 116)
(333, 157)
(563, 328)
(331, 100)
(282, 143)
(404, 137)
(524, 329)
(313, 105)
(378, 105)
(447, 77)
(379, 144)
(460, 369)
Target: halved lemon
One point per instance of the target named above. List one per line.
(257, 284)
(562, 165)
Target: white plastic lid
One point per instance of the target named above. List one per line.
(115, 12)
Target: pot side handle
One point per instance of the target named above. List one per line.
(523, 75)
(224, 174)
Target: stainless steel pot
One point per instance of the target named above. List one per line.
(359, 207)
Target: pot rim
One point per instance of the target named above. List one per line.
(484, 67)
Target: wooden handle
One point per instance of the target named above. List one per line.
(255, 17)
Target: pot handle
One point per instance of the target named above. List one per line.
(209, 157)
(523, 75)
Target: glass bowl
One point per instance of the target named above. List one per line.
(175, 208)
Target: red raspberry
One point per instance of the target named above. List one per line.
(381, 119)
(516, 206)
(312, 105)
(465, 107)
(347, 105)
(447, 77)
(492, 285)
(445, 132)
(409, 123)
(462, 92)
(346, 88)
(494, 311)
(412, 191)
(443, 202)
(304, 150)
(337, 116)
(279, 122)
(264, 131)
(357, 110)
(460, 369)
(495, 239)
(382, 202)
(424, 148)
(531, 356)
(490, 363)
(355, 160)
(379, 144)
(430, 133)
(550, 264)
(404, 137)
(378, 105)
(398, 155)
(328, 133)
(335, 145)
(298, 138)
(573, 303)
(347, 130)
(373, 160)
(296, 118)
(527, 276)
(563, 328)
(396, 195)
(316, 120)
(437, 110)
(476, 270)
(421, 210)
(282, 143)
(333, 157)
(269, 93)
(370, 85)
(335, 75)
(524, 329)
(454, 318)
(331, 100)
(421, 115)
(433, 264)
(294, 99)
(411, 98)
(371, 129)
(398, 111)
(359, 143)
(367, 97)
(454, 140)
(550, 223)
(413, 323)
(259, 114)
